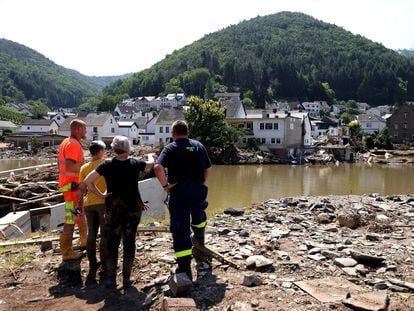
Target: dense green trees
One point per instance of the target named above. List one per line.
(282, 56)
(206, 122)
(27, 75)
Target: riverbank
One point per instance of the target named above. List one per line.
(287, 249)
(234, 156)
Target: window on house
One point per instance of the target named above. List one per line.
(273, 140)
(258, 140)
(244, 140)
(95, 130)
(277, 140)
(268, 126)
(161, 129)
(405, 125)
(250, 126)
(292, 126)
(112, 130)
(275, 126)
(160, 140)
(167, 129)
(369, 125)
(110, 121)
(262, 126)
(28, 127)
(263, 140)
(405, 115)
(395, 126)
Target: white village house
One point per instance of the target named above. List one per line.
(101, 126)
(8, 125)
(128, 129)
(39, 126)
(371, 123)
(147, 136)
(163, 125)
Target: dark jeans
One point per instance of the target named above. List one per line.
(187, 206)
(96, 219)
(121, 221)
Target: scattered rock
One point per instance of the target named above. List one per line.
(251, 280)
(373, 301)
(349, 219)
(258, 261)
(234, 211)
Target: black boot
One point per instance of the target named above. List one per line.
(91, 277)
(110, 282)
(199, 240)
(184, 265)
(126, 272)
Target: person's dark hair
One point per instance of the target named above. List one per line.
(180, 127)
(96, 146)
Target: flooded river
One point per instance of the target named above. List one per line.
(242, 185)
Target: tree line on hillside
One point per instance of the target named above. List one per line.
(27, 75)
(288, 56)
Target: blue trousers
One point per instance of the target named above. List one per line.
(187, 206)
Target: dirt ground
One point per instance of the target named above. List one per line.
(29, 277)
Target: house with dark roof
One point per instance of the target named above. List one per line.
(227, 96)
(39, 126)
(233, 109)
(400, 124)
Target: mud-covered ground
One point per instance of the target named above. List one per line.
(276, 244)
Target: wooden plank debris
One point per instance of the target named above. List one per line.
(216, 256)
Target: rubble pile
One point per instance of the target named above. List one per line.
(301, 253)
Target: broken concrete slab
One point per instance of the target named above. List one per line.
(330, 289)
(373, 301)
(180, 283)
(178, 304)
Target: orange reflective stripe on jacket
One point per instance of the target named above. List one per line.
(70, 148)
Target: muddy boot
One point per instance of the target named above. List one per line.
(91, 277)
(126, 273)
(110, 281)
(184, 265)
(83, 235)
(199, 240)
(66, 248)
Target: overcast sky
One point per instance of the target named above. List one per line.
(108, 37)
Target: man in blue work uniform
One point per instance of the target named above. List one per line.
(188, 167)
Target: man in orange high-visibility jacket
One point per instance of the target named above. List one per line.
(70, 160)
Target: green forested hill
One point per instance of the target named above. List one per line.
(281, 56)
(27, 75)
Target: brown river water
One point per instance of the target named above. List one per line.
(243, 185)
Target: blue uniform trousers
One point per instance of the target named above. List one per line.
(187, 204)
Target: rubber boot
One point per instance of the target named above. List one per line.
(199, 240)
(83, 235)
(111, 265)
(66, 248)
(184, 265)
(91, 277)
(126, 272)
